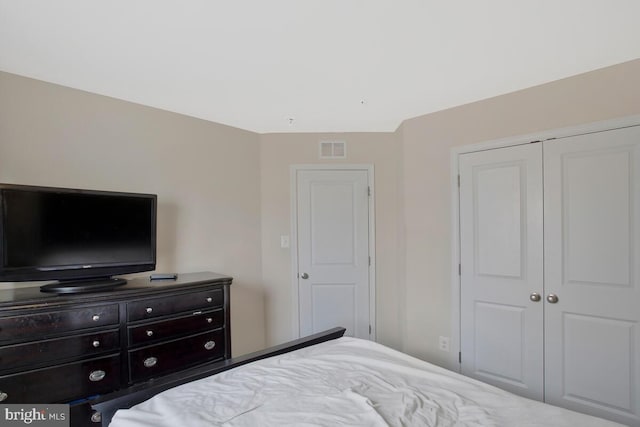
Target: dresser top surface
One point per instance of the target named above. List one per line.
(32, 297)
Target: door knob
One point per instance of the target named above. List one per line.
(305, 276)
(535, 297)
(552, 298)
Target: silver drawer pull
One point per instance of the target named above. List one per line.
(209, 345)
(149, 333)
(95, 318)
(96, 417)
(149, 310)
(97, 375)
(209, 320)
(96, 343)
(3, 396)
(209, 299)
(150, 362)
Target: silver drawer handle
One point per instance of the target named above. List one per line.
(149, 310)
(209, 299)
(150, 362)
(95, 318)
(209, 345)
(3, 396)
(96, 417)
(149, 333)
(96, 343)
(97, 375)
(209, 320)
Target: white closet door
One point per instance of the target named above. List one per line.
(592, 265)
(501, 256)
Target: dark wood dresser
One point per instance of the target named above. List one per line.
(64, 348)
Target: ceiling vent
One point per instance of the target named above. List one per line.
(333, 150)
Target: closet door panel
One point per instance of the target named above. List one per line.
(501, 257)
(592, 265)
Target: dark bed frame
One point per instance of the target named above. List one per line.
(99, 411)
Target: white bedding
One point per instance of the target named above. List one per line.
(343, 382)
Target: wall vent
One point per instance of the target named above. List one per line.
(333, 150)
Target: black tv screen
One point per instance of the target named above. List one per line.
(62, 234)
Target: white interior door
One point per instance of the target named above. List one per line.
(501, 268)
(592, 266)
(333, 251)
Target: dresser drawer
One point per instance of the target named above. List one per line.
(169, 357)
(155, 307)
(34, 354)
(39, 324)
(62, 383)
(163, 330)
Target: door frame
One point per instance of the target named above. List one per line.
(295, 313)
(456, 332)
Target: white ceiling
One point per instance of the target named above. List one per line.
(330, 65)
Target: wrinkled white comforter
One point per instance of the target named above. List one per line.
(343, 382)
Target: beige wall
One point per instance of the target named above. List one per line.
(224, 193)
(278, 153)
(206, 176)
(427, 140)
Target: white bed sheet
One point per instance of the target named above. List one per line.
(346, 381)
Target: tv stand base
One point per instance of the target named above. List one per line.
(82, 286)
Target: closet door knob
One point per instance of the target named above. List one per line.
(304, 276)
(552, 298)
(535, 297)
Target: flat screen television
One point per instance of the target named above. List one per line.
(81, 238)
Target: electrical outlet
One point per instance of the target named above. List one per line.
(284, 241)
(443, 343)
